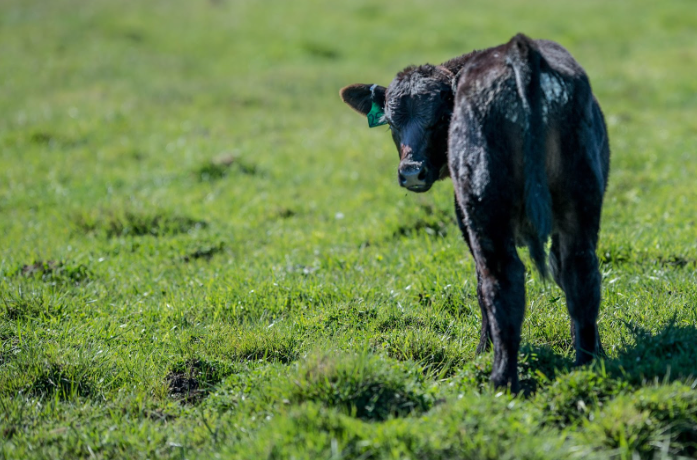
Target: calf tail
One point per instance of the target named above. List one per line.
(525, 60)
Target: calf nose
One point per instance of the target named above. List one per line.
(412, 176)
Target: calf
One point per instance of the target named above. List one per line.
(520, 133)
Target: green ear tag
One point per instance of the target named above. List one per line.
(376, 117)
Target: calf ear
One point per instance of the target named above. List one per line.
(360, 97)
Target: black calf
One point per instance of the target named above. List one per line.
(524, 140)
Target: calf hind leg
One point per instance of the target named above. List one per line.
(485, 332)
(555, 260)
(580, 280)
(555, 268)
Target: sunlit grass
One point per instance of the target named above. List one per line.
(204, 252)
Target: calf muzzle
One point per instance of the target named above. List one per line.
(413, 176)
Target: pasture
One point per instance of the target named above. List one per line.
(205, 254)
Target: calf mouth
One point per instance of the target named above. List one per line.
(421, 188)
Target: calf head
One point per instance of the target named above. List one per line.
(417, 105)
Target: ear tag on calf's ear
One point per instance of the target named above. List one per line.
(376, 117)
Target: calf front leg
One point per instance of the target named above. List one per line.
(485, 332)
(501, 277)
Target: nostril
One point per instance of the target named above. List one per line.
(402, 179)
(422, 173)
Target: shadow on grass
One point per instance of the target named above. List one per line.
(666, 355)
(662, 357)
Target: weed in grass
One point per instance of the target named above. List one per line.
(159, 415)
(55, 272)
(134, 36)
(23, 304)
(400, 322)
(9, 431)
(41, 137)
(9, 345)
(62, 380)
(285, 213)
(277, 342)
(344, 318)
(674, 409)
(117, 223)
(432, 221)
(298, 268)
(648, 423)
(365, 386)
(676, 261)
(307, 431)
(572, 397)
(438, 354)
(205, 253)
(320, 50)
(448, 299)
(432, 227)
(274, 348)
(52, 140)
(255, 388)
(221, 166)
(615, 254)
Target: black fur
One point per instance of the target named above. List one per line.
(525, 143)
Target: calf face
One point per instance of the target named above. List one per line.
(417, 105)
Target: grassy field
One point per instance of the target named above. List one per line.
(205, 254)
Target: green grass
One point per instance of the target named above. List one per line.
(206, 254)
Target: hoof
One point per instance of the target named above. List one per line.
(504, 382)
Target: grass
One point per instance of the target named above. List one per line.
(205, 253)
